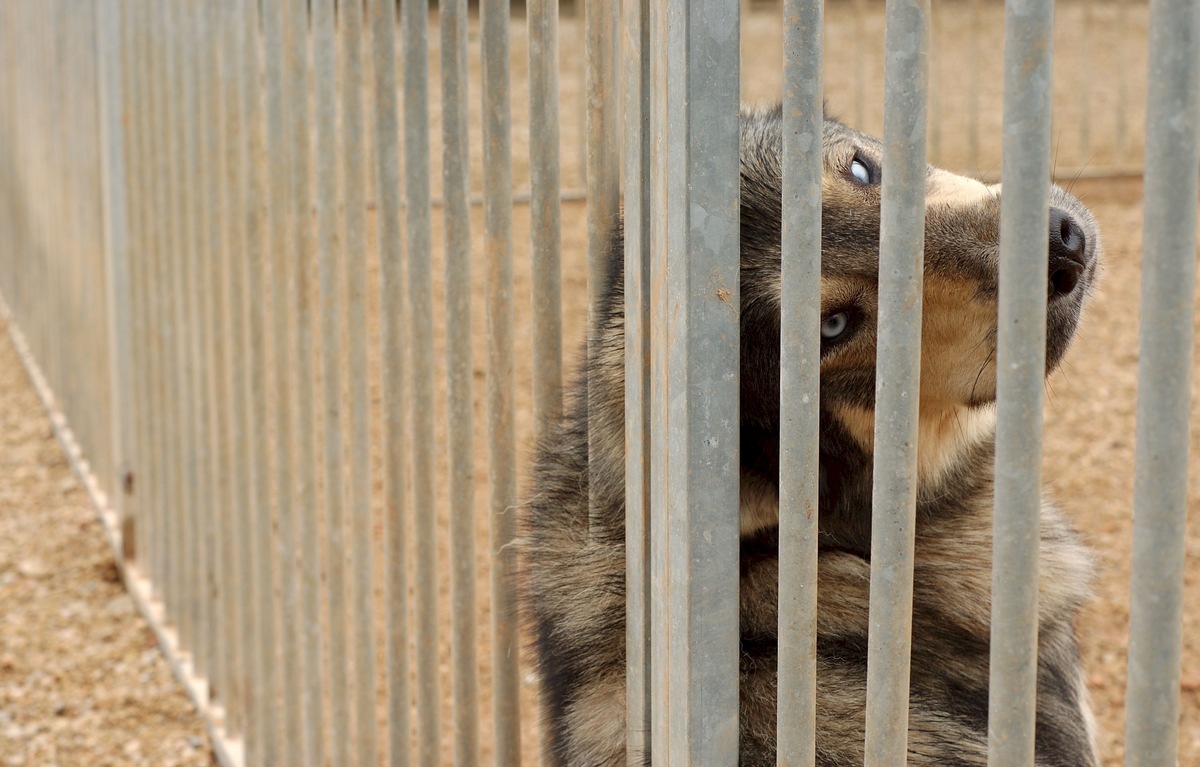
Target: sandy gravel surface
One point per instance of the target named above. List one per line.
(81, 679)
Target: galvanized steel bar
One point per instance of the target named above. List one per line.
(161, 470)
(212, 487)
(545, 212)
(1020, 380)
(304, 549)
(264, 744)
(395, 394)
(897, 382)
(280, 101)
(185, 532)
(420, 297)
(459, 368)
(1160, 508)
(799, 385)
(635, 60)
(695, 301)
(497, 227)
(354, 181)
(603, 176)
(328, 259)
(234, 564)
(112, 74)
(222, 497)
(192, 276)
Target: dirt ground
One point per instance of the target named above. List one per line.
(80, 681)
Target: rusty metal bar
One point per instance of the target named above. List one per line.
(897, 382)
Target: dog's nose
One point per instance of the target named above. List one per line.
(1068, 248)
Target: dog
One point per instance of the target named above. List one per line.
(573, 574)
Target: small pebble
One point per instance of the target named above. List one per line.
(34, 568)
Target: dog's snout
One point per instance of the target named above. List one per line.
(1068, 253)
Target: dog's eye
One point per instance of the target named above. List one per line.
(833, 326)
(860, 171)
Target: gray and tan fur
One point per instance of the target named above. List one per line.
(574, 582)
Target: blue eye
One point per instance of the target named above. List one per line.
(860, 171)
(834, 325)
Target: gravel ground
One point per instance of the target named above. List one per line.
(81, 679)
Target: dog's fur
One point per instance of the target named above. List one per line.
(574, 580)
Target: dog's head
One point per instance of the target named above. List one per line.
(962, 255)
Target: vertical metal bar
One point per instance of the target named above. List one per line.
(181, 437)
(327, 154)
(211, 484)
(694, 306)
(395, 399)
(603, 172)
(114, 168)
(302, 299)
(635, 54)
(263, 746)
(897, 382)
(219, 490)
(233, 453)
(497, 227)
(459, 368)
(283, 239)
(456, 216)
(544, 211)
(161, 467)
(420, 291)
(192, 286)
(1164, 385)
(799, 385)
(1020, 380)
(354, 180)
(302, 552)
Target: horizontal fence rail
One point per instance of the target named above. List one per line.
(294, 280)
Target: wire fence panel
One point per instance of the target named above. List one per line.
(271, 368)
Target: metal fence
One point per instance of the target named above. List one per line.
(220, 224)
